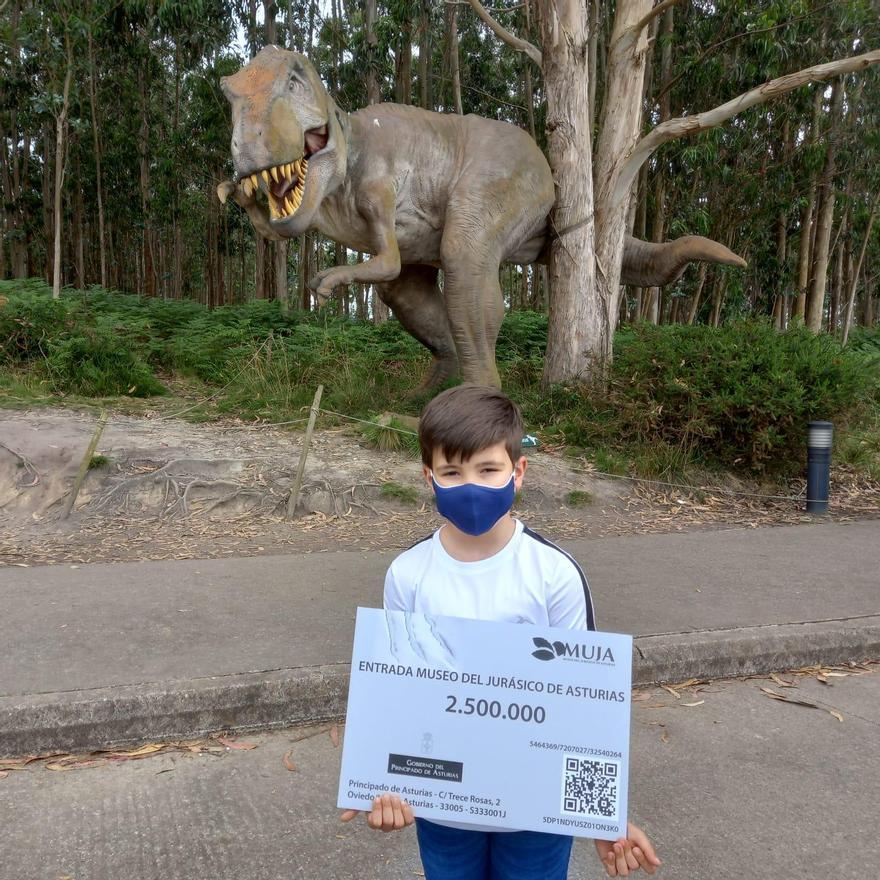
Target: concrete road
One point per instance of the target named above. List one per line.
(740, 786)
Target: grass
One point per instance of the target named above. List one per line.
(395, 491)
(579, 498)
(673, 410)
(99, 461)
(391, 437)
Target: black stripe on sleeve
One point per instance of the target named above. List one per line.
(588, 598)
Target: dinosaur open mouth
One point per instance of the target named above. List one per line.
(282, 185)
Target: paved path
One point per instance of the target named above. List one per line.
(736, 788)
(93, 654)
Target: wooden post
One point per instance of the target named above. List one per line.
(84, 465)
(293, 500)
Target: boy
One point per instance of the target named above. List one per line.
(486, 565)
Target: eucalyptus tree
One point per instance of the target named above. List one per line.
(586, 254)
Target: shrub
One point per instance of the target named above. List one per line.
(740, 395)
(99, 364)
(28, 322)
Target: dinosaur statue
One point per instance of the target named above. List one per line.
(420, 191)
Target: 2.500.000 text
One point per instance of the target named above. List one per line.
(494, 709)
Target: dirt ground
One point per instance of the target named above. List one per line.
(167, 488)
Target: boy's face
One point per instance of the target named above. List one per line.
(488, 467)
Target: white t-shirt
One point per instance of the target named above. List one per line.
(530, 580)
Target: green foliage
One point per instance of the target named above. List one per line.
(28, 320)
(391, 437)
(99, 364)
(578, 498)
(678, 397)
(739, 395)
(406, 494)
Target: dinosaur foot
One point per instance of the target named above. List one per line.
(440, 370)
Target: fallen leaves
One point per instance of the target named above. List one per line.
(61, 761)
(784, 698)
(287, 760)
(334, 735)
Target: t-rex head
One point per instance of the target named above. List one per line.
(288, 137)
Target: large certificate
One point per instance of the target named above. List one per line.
(508, 726)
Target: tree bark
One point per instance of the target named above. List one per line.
(574, 317)
(96, 139)
(593, 59)
(452, 49)
(695, 299)
(857, 271)
(281, 271)
(824, 217)
(149, 276)
(619, 130)
(374, 95)
(60, 133)
(403, 85)
(665, 31)
(425, 57)
(270, 11)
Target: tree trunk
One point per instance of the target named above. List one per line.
(654, 311)
(824, 217)
(695, 299)
(340, 258)
(425, 57)
(149, 276)
(60, 133)
(857, 271)
(93, 100)
(260, 249)
(619, 130)
(271, 10)
(576, 315)
(836, 285)
(79, 260)
(305, 274)
(374, 95)
(593, 59)
(403, 84)
(452, 50)
(281, 271)
(805, 252)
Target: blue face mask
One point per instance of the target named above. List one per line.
(473, 508)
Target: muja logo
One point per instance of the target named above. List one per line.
(586, 653)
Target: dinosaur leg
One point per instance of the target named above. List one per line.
(474, 303)
(417, 303)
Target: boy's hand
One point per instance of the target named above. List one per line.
(389, 813)
(629, 853)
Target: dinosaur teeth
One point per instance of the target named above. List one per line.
(265, 175)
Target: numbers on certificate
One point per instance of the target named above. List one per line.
(495, 709)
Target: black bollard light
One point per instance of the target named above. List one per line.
(819, 436)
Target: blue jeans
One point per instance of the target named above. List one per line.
(460, 854)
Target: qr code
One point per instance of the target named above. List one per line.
(589, 788)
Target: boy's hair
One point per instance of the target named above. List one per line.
(463, 420)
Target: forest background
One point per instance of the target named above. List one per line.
(114, 134)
